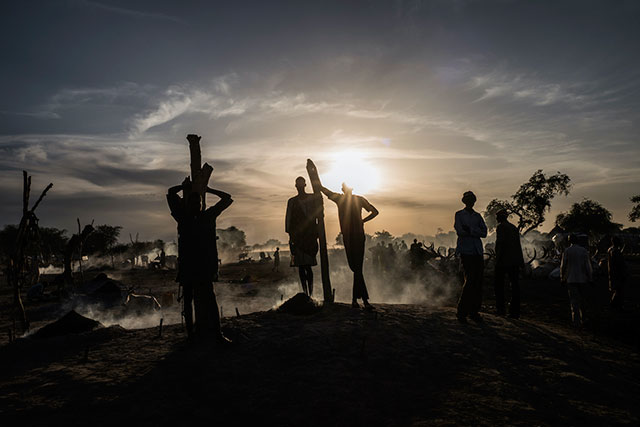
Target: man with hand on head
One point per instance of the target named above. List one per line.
(198, 257)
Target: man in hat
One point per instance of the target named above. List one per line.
(509, 261)
(352, 227)
(301, 223)
(470, 228)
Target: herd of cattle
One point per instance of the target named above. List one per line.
(542, 257)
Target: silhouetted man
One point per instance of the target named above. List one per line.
(198, 255)
(276, 260)
(163, 258)
(352, 227)
(470, 227)
(575, 272)
(509, 261)
(617, 269)
(377, 257)
(389, 258)
(301, 223)
(415, 254)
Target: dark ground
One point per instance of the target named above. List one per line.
(401, 365)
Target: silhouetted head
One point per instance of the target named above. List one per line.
(277, 249)
(415, 240)
(346, 189)
(300, 183)
(193, 203)
(502, 215)
(573, 239)
(469, 199)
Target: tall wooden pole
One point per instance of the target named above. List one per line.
(200, 174)
(322, 236)
(207, 318)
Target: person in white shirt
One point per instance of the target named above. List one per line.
(470, 227)
(576, 272)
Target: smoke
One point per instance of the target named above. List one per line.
(170, 316)
(397, 283)
(119, 315)
(50, 269)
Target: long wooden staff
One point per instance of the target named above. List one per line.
(324, 257)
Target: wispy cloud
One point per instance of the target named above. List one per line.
(129, 12)
(529, 90)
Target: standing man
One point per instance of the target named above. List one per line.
(301, 223)
(470, 228)
(352, 227)
(198, 257)
(575, 272)
(509, 261)
(276, 260)
(617, 269)
(415, 254)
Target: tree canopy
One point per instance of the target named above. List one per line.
(635, 211)
(51, 242)
(103, 238)
(231, 239)
(589, 217)
(531, 202)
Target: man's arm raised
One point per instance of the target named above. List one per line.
(330, 194)
(224, 202)
(219, 193)
(369, 208)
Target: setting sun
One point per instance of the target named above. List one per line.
(352, 168)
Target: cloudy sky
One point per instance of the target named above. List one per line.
(411, 102)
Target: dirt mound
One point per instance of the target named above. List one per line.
(70, 323)
(300, 305)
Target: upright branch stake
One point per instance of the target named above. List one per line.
(23, 267)
(44, 193)
(322, 236)
(200, 174)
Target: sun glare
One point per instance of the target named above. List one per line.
(352, 168)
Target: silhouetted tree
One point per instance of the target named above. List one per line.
(52, 244)
(589, 217)
(635, 211)
(103, 238)
(8, 236)
(231, 239)
(382, 236)
(22, 270)
(531, 202)
(49, 245)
